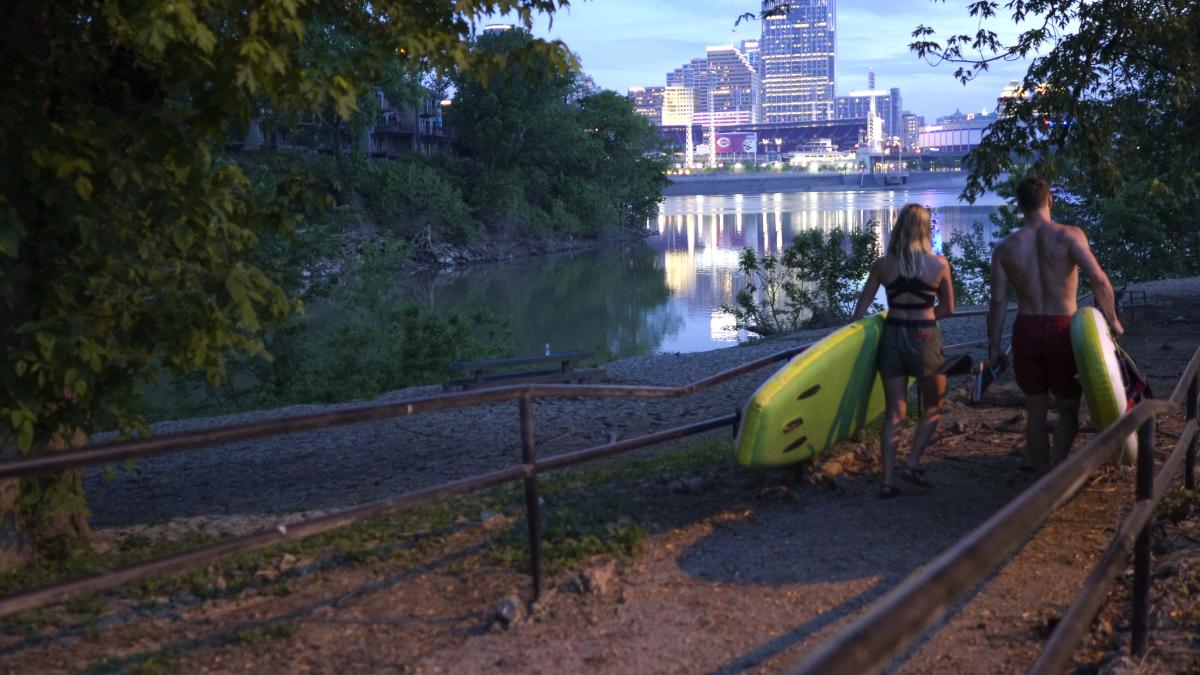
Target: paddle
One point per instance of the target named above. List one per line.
(988, 373)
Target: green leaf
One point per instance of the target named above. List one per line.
(83, 186)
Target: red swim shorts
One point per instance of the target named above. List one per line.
(1042, 356)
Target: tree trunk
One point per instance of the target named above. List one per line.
(42, 514)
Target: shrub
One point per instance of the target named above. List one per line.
(815, 282)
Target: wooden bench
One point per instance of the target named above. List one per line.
(497, 372)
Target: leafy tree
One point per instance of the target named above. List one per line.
(1110, 114)
(127, 243)
(814, 283)
(543, 150)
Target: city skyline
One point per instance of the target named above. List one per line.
(623, 43)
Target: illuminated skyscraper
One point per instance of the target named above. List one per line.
(647, 102)
(797, 52)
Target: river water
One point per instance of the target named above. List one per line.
(664, 294)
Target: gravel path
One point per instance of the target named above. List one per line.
(347, 465)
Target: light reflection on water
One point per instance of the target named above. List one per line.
(664, 295)
(700, 238)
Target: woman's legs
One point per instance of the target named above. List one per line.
(895, 391)
(933, 391)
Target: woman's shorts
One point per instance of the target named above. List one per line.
(910, 348)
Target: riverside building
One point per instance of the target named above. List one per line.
(857, 104)
(647, 102)
(798, 51)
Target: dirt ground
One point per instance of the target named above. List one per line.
(738, 571)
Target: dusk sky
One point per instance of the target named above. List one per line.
(624, 43)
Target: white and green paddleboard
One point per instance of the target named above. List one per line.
(1100, 374)
(817, 400)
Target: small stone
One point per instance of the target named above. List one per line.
(184, 599)
(695, 485)
(676, 486)
(598, 580)
(958, 427)
(509, 611)
(542, 604)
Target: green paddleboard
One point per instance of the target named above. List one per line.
(1100, 374)
(817, 400)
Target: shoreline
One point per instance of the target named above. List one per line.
(790, 181)
(448, 257)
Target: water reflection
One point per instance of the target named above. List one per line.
(664, 295)
(611, 301)
(700, 238)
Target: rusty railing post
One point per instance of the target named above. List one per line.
(1189, 462)
(533, 504)
(1141, 548)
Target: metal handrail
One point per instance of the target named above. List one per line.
(192, 440)
(892, 624)
(527, 471)
(870, 642)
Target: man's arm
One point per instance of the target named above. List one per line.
(997, 309)
(945, 292)
(868, 292)
(1102, 290)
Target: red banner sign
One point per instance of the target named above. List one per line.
(736, 143)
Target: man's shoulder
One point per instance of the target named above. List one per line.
(1006, 244)
(1068, 230)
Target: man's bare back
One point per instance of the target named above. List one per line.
(1040, 262)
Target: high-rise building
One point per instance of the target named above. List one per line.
(887, 105)
(647, 102)
(690, 74)
(678, 107)
(753, 52)
(797, 46)
(910, 130)
(724, 86)
(728, 91)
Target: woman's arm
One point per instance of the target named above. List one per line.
(945, 306)
(868, 292)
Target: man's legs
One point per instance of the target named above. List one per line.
(1036, 406)
(1065, 427)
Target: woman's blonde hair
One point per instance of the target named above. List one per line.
(910, 240)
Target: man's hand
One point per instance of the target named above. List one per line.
(1117, 329)
(995, 356)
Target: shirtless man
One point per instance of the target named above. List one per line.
(1042, 261)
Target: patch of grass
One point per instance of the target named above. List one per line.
(86, 606)
(701, 456)
(1177, 506)
(253, 635)
(33, 620)
(580, 524)
(581, 528)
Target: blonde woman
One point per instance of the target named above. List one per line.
(913, 278)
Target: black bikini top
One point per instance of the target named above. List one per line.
(914, 286)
